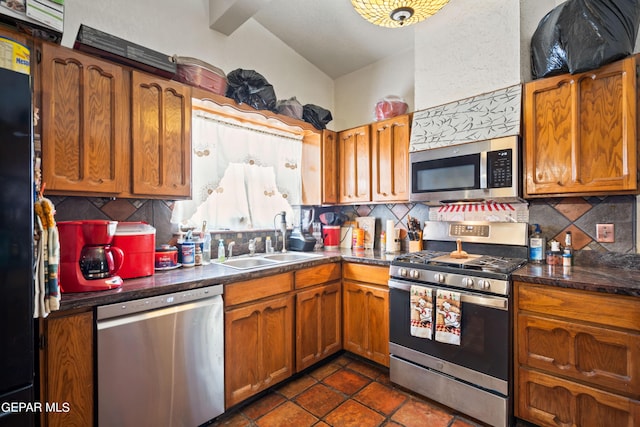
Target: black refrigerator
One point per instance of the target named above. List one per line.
(17, 344)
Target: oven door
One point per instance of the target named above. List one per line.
(483, 356)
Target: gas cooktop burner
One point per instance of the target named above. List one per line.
(421, 257)
(471, 262)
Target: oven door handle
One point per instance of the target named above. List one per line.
(501, 303)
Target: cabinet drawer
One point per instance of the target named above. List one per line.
(315, 275)
(596, 356)
(605, 309)
(377, 275)
(252, 290)
(549, 401)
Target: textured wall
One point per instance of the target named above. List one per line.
(555, 216)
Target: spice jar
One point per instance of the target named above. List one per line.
(554, 256)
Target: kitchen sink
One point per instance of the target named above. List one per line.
(290, 256)
(246, 263)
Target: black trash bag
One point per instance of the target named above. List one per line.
(581, 35)
(317, 116)
(251, 88)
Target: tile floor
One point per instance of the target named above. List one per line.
(344, 392)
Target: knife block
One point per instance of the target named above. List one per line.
(416, 245)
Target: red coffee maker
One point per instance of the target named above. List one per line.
(88, 262)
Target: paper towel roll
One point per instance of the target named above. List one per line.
(390, 232)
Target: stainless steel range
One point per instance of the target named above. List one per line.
(451, 325)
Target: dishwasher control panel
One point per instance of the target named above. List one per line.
(157, 302)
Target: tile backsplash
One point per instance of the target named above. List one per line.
(555, 216)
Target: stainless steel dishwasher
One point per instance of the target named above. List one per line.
(161, 360)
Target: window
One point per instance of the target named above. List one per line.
(243, 172)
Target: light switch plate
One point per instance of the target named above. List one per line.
(605, 233)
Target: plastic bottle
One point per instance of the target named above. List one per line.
(554, 255)
(221, 251)
(567, 256)
(537, 246)
(268, 246)
(198, 255)
(206, 248)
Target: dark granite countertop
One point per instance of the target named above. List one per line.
(612, 280)
(180, 279)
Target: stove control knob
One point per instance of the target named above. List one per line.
(484, 284)
(468, 282)
(415, 274)
(403, 272)
(438, 277)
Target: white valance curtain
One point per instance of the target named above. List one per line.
(243, 174)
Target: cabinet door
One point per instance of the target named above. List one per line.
(549, 401)
(311, 170)
(258, 349)
(318, 324)
(330, 171)
(161, 137)
(354, 156)
(67, 370)
(580, 132)
(85, 119)
(606, 358)
(390, 159)
(366, 321)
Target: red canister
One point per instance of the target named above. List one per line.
(166, 257)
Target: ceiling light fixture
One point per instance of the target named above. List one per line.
(397, 13)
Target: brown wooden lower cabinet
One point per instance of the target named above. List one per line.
(366, 311)
(552, 401)
(258, 330)
(258, 347)
(66, 367)
(318, 324)
(577, 357)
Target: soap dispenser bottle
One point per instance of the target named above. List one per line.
(221, 251)
(537, 246)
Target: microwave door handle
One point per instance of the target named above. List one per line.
(483, 170)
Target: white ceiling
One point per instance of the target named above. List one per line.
(328, 33)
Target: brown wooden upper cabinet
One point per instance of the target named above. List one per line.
(330, 171)
(354, 158)
(161, 136)
(580, 132)
(110, 131)
(390, 159)
(84, 113)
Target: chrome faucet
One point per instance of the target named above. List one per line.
(231, 248)
(252, 247)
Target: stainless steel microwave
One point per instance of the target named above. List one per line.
(471, 172)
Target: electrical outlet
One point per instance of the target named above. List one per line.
(605, 233)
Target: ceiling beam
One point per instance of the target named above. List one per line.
(226, 16)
